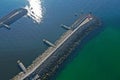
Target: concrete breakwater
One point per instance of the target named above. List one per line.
(46, 64)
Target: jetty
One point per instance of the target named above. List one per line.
(46, 63)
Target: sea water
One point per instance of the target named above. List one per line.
(98, 59)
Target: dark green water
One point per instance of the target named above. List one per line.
(97, 60)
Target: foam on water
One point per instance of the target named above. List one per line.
(35, 10)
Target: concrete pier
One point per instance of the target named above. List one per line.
(65, 27)
(12, 17)
(21, 66)
(48, 43)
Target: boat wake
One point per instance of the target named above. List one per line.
(34, 10)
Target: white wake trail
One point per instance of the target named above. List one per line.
(35, 10)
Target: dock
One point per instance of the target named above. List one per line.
(11, 17)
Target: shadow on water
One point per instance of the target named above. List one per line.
(79, 47)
